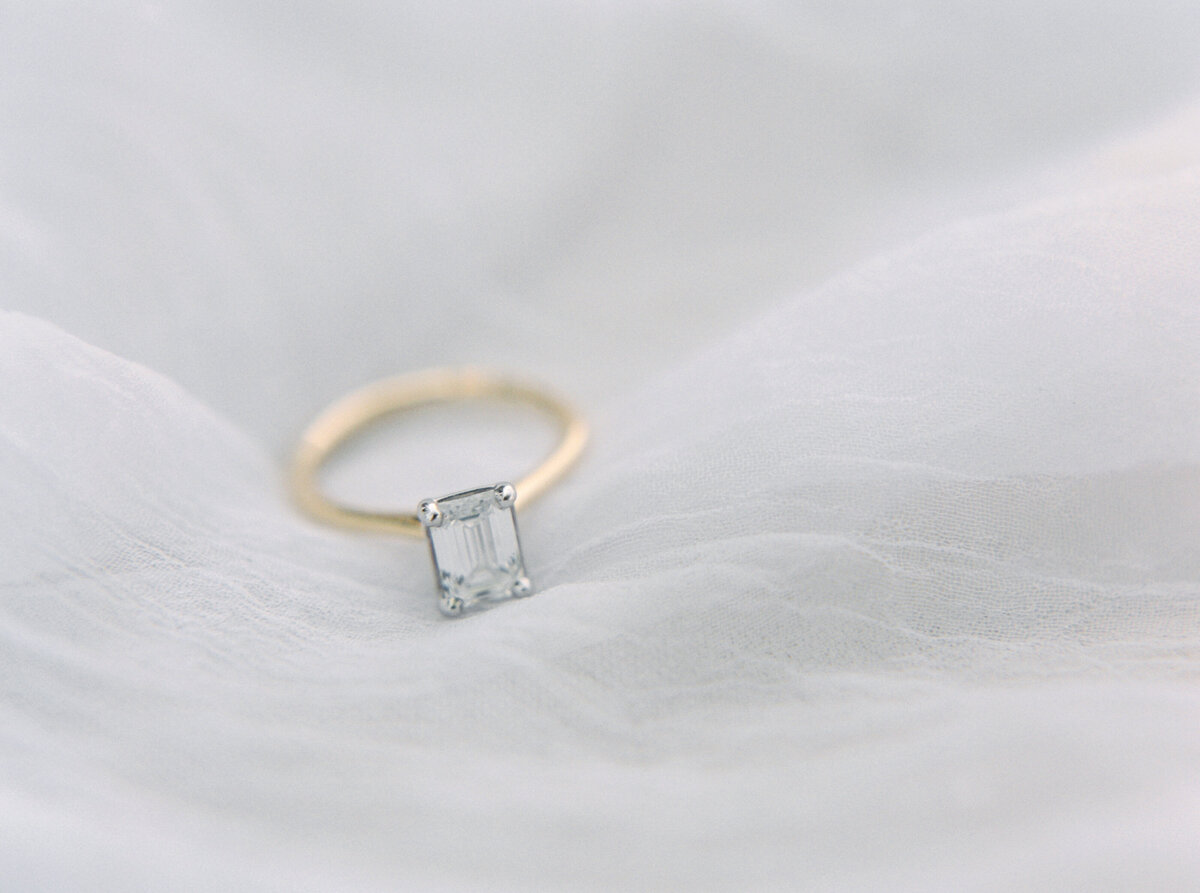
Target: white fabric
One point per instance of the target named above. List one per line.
(883, 570)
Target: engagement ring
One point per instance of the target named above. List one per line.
(472, 534)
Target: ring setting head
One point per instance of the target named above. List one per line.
(475, 547)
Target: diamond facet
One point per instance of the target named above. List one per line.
(475, 546)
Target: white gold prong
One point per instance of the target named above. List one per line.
(506, 494)
(429, 513)
(451, 605)
(521, 587)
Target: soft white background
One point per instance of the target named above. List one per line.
(883, 571)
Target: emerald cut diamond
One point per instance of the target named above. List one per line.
(476, 550)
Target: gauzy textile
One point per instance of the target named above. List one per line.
(882, 570)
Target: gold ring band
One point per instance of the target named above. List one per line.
(356, 412)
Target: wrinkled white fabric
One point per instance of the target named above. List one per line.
(883, 568)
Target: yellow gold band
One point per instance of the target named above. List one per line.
(359, 410)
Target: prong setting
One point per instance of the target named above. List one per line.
(451, 605)
(476, 548)
(429, 513)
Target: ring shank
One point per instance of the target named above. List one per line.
(359, 410)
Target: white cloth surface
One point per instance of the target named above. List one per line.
(882, 571)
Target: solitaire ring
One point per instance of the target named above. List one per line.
(472, 534)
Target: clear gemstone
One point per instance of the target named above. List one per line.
(476, 549)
